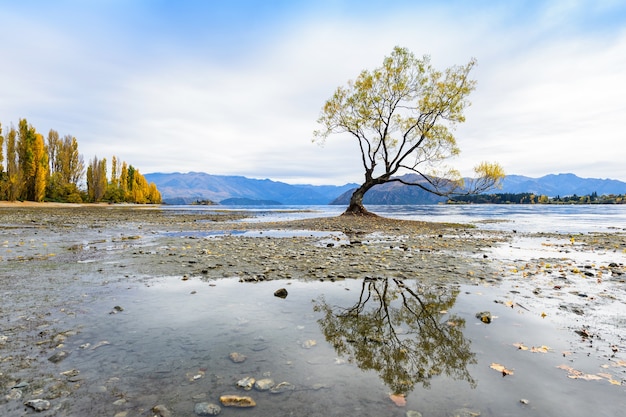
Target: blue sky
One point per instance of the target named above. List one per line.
(236, 87)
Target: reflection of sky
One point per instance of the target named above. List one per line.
(522, 218)
(172, 330)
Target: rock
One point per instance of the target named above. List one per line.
(207, 409)
(246, 383)
(484, 316)
(14, 394)
(58, 357)
(465, 412)
(237, 401)
(264, 384)
(413, 413)
(309, 344)
(281, 293)
(524, 401)
(3, 339)
(38, 404)
(283, 387)
(161, 411)
(237, 357)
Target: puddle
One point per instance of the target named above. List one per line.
(344, 346)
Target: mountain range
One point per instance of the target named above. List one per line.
(187, 188)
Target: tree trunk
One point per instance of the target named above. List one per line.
(356, 207)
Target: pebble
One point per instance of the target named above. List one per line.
(484, 316)
(237, 401)
(207, 409)
(283, 387)
(246, 383)
(58, 357)
(161, 411)
(281, 293)
(264, 384)
(413, 413)
(237, 357)
(38, 404)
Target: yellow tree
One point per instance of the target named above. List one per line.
(41, 173)
(14, 185)
(402, 115)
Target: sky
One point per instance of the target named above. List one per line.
(236, 87)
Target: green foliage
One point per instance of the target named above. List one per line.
(529, 198)
(402, 115)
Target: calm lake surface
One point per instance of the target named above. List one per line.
(344, 347)
(522, 218)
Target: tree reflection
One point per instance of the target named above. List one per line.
(403, 334)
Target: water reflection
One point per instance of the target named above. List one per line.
(404, 334)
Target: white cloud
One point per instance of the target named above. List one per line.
(549, 96)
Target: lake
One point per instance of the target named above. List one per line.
(369, 346)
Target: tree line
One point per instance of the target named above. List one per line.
(36, 169)
(530, 198)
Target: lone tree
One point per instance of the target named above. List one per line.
(402, 115)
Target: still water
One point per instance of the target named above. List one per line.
(522, 218)
(343, 347)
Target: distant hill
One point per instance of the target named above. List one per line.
(177, 188)
(550, 185)
(561, 185)
(186, 188)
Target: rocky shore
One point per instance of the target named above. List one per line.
(52, 257)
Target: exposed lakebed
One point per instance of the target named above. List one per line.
(381, 318)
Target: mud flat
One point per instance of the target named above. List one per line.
(59, 263)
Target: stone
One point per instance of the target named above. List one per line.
(161, 411)
(237, 401)
(281, 293)
(413, 413)
(38, 404)
(237, 357)
(207, 409)
(246, 383)
(484, 316)
(58, 357)
(264, 384)
(283, 387)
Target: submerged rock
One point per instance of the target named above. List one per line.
(264, 384)
(237, 357)
(207, 409)
(58, 357)
(283, 387)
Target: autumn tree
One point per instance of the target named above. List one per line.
(33, 162)
(66, 168)
(14, 185)
(3, 175)
(402, 115)
(96, 179)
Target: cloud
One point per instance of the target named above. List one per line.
(209, 87)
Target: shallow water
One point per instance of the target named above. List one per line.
(345, 346)
(522, 218)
